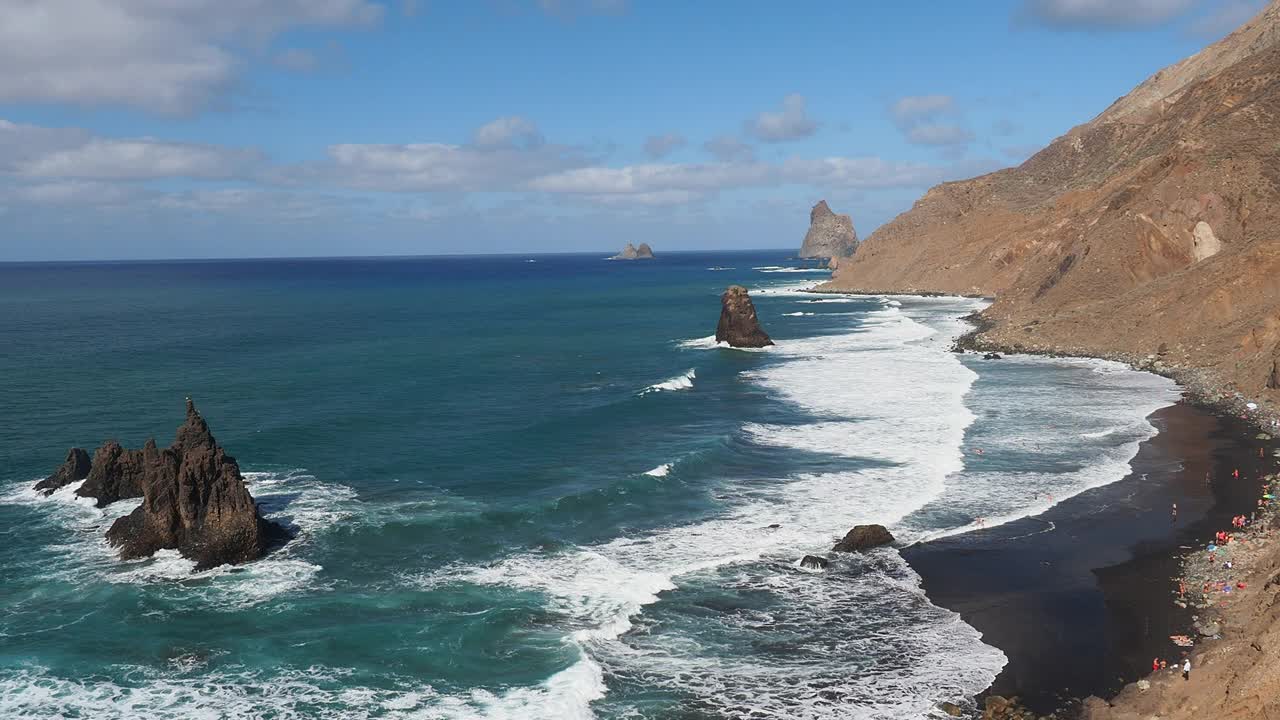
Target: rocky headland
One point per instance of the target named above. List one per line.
(1148, 235)
(1148, 232)
(830, 236)
(194, 499)
(631, 252)
(739, 326)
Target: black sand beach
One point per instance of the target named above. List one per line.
(1081, 598)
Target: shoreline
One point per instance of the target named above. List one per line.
(1080, 597)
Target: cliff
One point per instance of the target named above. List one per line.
(830, 235)
(1152, 229)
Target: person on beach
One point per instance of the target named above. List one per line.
(1175, 512)
(1164, 664)
(1186, 669)
(1155, 664)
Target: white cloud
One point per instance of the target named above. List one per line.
(791, 123)
(297, 60)
(52, 153)
(1103, 14)
(653, 178)
(168, 57)
(508, 131)
(860, 172)
(919, 107)
(921, 120)
(440, 166)
(660, 146)
(727, 148)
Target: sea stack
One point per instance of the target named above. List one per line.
(194, 501)
(117, 473)
(739, 325)
(73, 469)
(631, 252)
(830, 235)
(863, 537)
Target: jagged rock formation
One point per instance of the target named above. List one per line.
(74, 468)
(117, 473)
(862, 537)
(631, 252)
(1156, 222)
(830, 235)
(739, 325)
(194, 500)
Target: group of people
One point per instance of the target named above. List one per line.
(1158, 664)
(1239, 522)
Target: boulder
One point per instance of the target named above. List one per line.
(950, 708)
(862, 537)
(117, 473)
(73, 469)
(992, 356)
(739, 325)
(813, 562)
(194, 501)
(830, 235)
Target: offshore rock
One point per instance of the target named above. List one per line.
(862, 537)
(194, 501)
(117, 473)
(74, 468)
(631, 252)
(739, 325)
(830, 235)
(813, 562)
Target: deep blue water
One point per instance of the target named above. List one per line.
(525, 487)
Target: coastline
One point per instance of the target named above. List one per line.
(1080, 598)
(1211, 430)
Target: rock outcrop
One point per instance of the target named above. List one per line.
(194, 501)
(117, 473)
(830, 235)
(73, 469)
(863, 537)
(1156, 222)
(631, 252)
(813, 562)
(739, 325)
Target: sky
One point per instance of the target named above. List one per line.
(149, 129)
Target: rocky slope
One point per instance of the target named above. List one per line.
(830, 235)
(75, 468)
(195, 501)
(1152, 229)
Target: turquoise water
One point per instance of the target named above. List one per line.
(522, 488)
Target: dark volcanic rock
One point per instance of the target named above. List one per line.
(738, 323)
(813, 562)
(992, 356)
(830, 235)
(117, 473)
(862, 537)
(194, 500)
(75, 467)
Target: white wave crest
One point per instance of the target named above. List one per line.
(661, 471)
(679, 382)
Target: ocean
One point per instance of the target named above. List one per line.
(522, 487)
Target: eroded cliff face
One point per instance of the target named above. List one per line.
(1155, 227)
(830, 235)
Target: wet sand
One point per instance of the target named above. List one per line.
(1080, 598)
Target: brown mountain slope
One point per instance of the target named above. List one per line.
(1156, 225)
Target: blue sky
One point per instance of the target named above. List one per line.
(239, 128)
